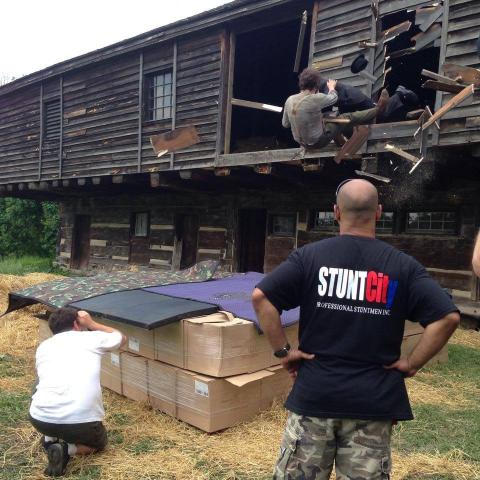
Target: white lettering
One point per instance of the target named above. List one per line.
(342, 282)
(361, 290)
(333, 273)
(352, 284)
(322, 286)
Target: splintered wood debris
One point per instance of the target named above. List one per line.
(402, 153)
(174, 140)
(256, 105)
(354, 144)
(372, 175)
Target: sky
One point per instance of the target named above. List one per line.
(35, 34)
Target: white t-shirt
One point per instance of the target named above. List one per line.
(68, 369)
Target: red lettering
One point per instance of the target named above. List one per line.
(378, 298)
(371, 290)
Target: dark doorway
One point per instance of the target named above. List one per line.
(140, 238)
(186, 239)
(264, 63)
(80, 242)
(252, 225)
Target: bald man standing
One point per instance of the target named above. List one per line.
(354, 293)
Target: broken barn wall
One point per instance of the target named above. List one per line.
(462, 124)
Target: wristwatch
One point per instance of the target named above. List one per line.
(283, 352)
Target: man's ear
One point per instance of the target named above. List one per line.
(76, 326)
(336, 212)
(378, 214)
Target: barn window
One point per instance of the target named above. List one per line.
(431, 222)
(283, 225)
(322, 220)
(51, 129)
(385, 224)
(158, 95)
(141, 224)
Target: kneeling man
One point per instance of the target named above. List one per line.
(67, 406)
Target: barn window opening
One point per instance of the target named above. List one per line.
(385, 223)
(283, 225)
(140, 224)
(408, 51)
(52, 120)
(264, 74)
(158, 95)
(431, 222)
(322, 220)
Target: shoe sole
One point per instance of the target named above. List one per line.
(55, 460)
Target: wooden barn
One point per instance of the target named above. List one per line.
(80, 133)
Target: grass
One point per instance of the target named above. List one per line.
(28, 264)
(442, 443)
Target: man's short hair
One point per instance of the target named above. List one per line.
(309, 79)
(62, 320)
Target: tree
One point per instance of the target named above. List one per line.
(27, 227)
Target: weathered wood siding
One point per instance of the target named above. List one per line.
(19, 135)
(340, 26)
(462, 124)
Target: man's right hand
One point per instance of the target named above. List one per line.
(293, 361)
(331, 84)
(84, 319)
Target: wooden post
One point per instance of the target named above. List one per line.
(140, 110)
(223, 97)
(231, 72)
(313, 31)
(40, 143)
(174, 96)
(60, 146)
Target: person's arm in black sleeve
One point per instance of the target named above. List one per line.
(430, 305)
(280, 290)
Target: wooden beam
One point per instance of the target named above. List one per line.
(452, 103)
(443, 87)
(438, 77)
(231, 73)
(372, 175)
(256, 105)
(301, 39)
(423, 39)
(354, 143)
(327, 64)
(140, 112)
(174, 96)
(154, 180)
(313, 31)
(396, 30)
(467, 75)
(60, 146)
(185, 174)
(40, 143)
(401, 153)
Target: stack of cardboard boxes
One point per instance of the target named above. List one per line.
(212, 372)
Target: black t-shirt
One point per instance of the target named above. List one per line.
(355, 294)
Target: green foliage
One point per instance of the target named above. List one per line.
(28, 227)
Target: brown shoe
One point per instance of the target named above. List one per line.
(382, 102)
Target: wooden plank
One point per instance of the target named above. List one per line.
(423, 39)
(421, 14)
(452, 103)
(177, 139)
(473, 122)
(228, 113)
(256, 105)
(354, 143)
(40, 143)
(372, 175)
(468, 75)
(401, 153)
(327, 64)
(431, 19)
(438, 77)
(443, 87)
(313, 31)
(75, 113)
(396, 30)
(140, 112)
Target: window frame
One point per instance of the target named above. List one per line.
(382, 230)
(133, 224)
(271, 225)
(419, 231)
(149, 86)
(326, 228)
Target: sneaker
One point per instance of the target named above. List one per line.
(57, 459)
(46, 444)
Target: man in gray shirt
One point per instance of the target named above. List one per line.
(303, 113)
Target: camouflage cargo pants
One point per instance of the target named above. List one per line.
(310, 446)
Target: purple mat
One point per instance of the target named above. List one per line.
(232, 294)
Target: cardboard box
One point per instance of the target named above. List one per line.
(410, 342)
(218, 345)
(110, 373)
(44, 331)
(213, 404)
(134, 377)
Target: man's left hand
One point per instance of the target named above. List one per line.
(403, 365)
(293, 360)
